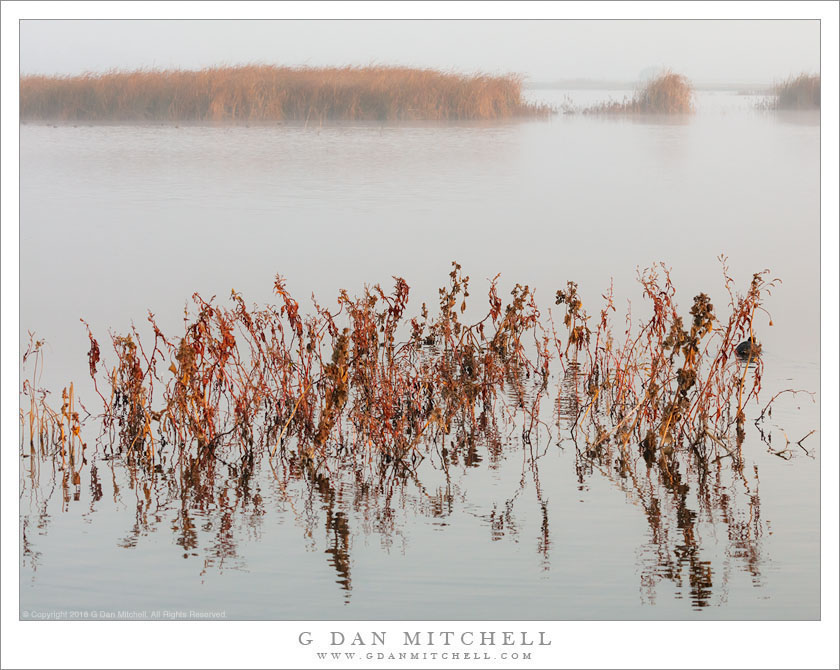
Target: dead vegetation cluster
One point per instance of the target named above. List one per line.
(364, 382)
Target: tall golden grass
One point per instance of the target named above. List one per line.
(800, 92)
(263, 93)
(669, 93)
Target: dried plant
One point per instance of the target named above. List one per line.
(244, 382)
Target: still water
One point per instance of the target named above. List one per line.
(119, 221)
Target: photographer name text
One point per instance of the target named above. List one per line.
(428, 638)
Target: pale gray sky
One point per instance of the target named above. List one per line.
(757, 51)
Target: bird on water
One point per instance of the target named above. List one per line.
(748, 349)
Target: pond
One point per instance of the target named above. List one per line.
(120, 221)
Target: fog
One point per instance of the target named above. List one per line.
(707, 51)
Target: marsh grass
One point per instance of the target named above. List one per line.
(264, 93)
(669, 93)
(800, 92)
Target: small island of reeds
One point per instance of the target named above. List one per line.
(266, 93)
(800, 92)
(669, 93)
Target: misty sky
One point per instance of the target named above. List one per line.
(758, 51)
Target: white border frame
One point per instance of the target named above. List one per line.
(274, 644)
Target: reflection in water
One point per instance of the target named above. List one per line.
(209, 507)
(680, 502)
(338, 530)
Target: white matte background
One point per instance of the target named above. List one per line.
(274, 644)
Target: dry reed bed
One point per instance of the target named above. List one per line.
(800, 92)
(262, 93)
(668, 93)
(335, 386)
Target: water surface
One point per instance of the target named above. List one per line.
(117, 221)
